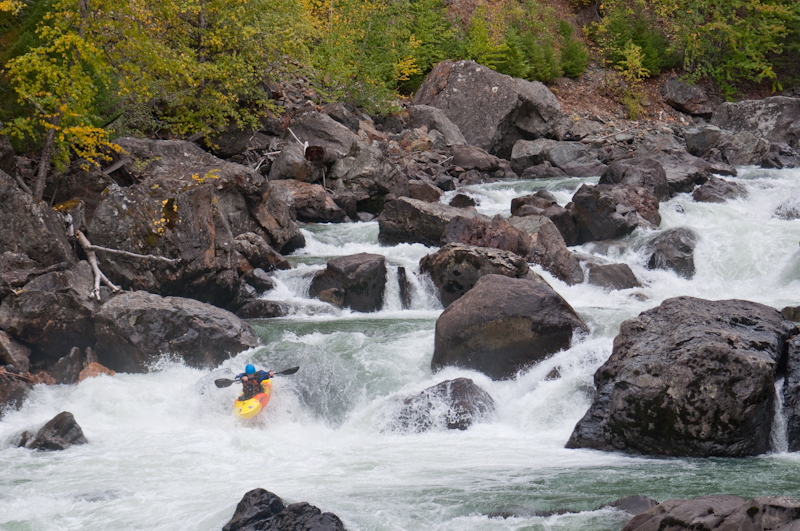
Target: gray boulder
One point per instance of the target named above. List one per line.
(687, 98)
(612, 276)
(504, 325)
(135, 328)
(791, 388)
(310, 202)
(571, 158)
(510, 108)
(59, 433)
(360, 277)
(776, 119)
(368, 177)
(548, 249)
(455, 268)
(261, 510)
(683, 170)
(638, 172)
(452, 404)
(690, 377)
(263, 309)
(408, 220)
(673, 249)
(717, 190)
(433, 118)
(604, 212)
(496, 232)
(321, 130)
(12, 394)
(258, 252)
(291, 163)
(14, 353)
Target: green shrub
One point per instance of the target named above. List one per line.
(574, 55)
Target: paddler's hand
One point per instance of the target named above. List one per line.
(271, 374)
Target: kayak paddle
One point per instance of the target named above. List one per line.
(225, 382)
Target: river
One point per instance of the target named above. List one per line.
(165, 453)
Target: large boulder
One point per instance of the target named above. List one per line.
(791, 388)
(455, 268)
(135, 328)
(32, 228)
(548, 249)
(504, 325)
(12, 394)
(673, 249)
(323, 131)
(52, 313)
(261, 510)
(571, 158)
(12, 352)
(683, 170)
(638, 172)
(687, 98)
(510, 108)
(291, 163)
(452, 404)
(258, 252)
(59, 433)
(690, 377)
(720, 512)
(311, 202)
(433, 118)
(612, 276)
(408, 220)
(360, 278)
(605, 212)
(776, 119)
(368, 177)
(17, 269)
(497, 233)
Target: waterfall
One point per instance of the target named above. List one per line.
(779, 444)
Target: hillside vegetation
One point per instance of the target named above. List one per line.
(78, 72)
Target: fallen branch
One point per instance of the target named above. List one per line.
(98, 275)
(124, 253)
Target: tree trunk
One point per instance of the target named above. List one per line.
(47, 153)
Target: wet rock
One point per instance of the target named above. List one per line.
(544, 170)
(408, 220)
(548, 249)
(462, 201)
(53, 313)
(792, 313)
(510, 108)
(434, 118)
(721, 512)
(367, 175)
(452, 404)
(789, 209)
(531, 199)
(776, 119)
(455, 268)
(612, 276)
(424, 191)
(673, 249)
(791, 390)
(133, 329)
(405, 288)
(690, 377)
(742, 148)
(263, 309)
(14, 353)
(32, 228)
(717, 190)
(497, 233)
(779, 156)
(504, 325)
(684, 171)
(565, 223)
(261, 510)
(93, 370)
(604, 212)
(59, 433)
(258, 252)
(691, 99)
(638, 172)
(12, 394)
(68, 369)
(311, 202)
(258, 279)
(361, 277)
(292, 164)
(634, 505)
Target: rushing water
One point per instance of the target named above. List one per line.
(165, 453)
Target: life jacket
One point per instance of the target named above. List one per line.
(251, 388)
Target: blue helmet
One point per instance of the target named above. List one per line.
(250, 369)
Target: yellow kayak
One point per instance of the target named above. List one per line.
(245, 409)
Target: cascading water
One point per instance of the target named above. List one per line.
(165, 452)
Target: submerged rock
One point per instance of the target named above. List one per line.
(452, 404)
(503, 325)
(673, 249)
(261, 510)
(717, 190)
(689, 378)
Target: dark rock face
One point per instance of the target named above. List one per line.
(497, 233)
(68, 369)
(433, 118)
(361, 277)
(413, 221)
(689, 378)
(32, 228)
(604, 212)
(717, 190)
(776, 119)
(721, 512)
(12, 394)
(261, 510)
(452, 404)
(367, 178)
(424, 191)
(548, 249)
(86, 185)
(568, 158)
(673, 249)
(690, 99)
(292, 164)
(683, 170)
(59, 433)
(310, 202)
(503, 325)
(612, 276)
(17, 269)
(258, 252)
(53, 313)
(792, 313)
(134, 328)
(510, 108)
(262, 309)
(455, 268)
(462, 201)
(791, 393)
(14, 353)
(638, 172)
(471, 157)
(531, 199)
(259, 280)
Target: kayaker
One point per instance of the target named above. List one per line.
(251, 381)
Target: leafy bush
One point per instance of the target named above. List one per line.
(574, 55)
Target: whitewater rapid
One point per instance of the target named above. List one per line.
(165, 453)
